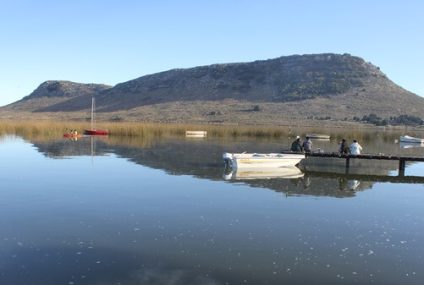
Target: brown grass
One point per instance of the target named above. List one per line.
(122, 130)
(133, 129)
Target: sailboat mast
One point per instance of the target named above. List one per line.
(92, 113)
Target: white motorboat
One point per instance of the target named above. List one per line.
(261, 160)
(410, 145)
(409, 139)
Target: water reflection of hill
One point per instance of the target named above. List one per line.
(66, 147)
(203, 159)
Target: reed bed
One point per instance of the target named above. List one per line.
(48, 128)
(133, 129)
(37, 128)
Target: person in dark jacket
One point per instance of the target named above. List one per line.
(343, 147)
(296, 145)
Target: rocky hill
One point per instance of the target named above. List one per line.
(53, 92)
(283, 79)
(304, 86)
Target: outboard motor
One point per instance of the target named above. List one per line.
(228, 159)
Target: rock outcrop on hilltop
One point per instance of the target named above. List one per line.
(53, 92)
(57, 88)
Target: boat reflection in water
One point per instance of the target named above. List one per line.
(287, 172)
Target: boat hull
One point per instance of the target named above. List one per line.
(409, 139)
(196, 134)
(318, 136)
(261, 160)
(96, 132)
(71, 135)
(410, 145)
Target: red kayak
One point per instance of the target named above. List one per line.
(95, 132)
(69, 135)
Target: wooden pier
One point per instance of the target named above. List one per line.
(402, 159)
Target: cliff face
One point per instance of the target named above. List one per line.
(314, 85)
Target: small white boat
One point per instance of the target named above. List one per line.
(411, 145)
(409, 139)
(318, 136)
(288, 172)
(196, 134)
(261, 160)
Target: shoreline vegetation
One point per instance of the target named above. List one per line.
(56, 129)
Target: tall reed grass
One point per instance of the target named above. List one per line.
(48, 128)
(132, 129)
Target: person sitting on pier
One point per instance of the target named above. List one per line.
(355, 148)
(296, 146)
(307, 145)
(343, 148)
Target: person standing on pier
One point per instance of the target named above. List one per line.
(355, 148)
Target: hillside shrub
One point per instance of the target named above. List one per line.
(402, 120)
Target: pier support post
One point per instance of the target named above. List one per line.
(401, 167)
(347, 165)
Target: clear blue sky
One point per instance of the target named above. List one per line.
(105, 41)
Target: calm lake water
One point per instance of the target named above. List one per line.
(104, 211)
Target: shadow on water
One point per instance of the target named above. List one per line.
(202, 158)
(92, 265)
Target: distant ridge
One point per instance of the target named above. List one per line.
(335, 85)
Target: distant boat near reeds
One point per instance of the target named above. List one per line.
(318, 136)
(410, 145)
(409, 139)
(71, 135)
(196, 134)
